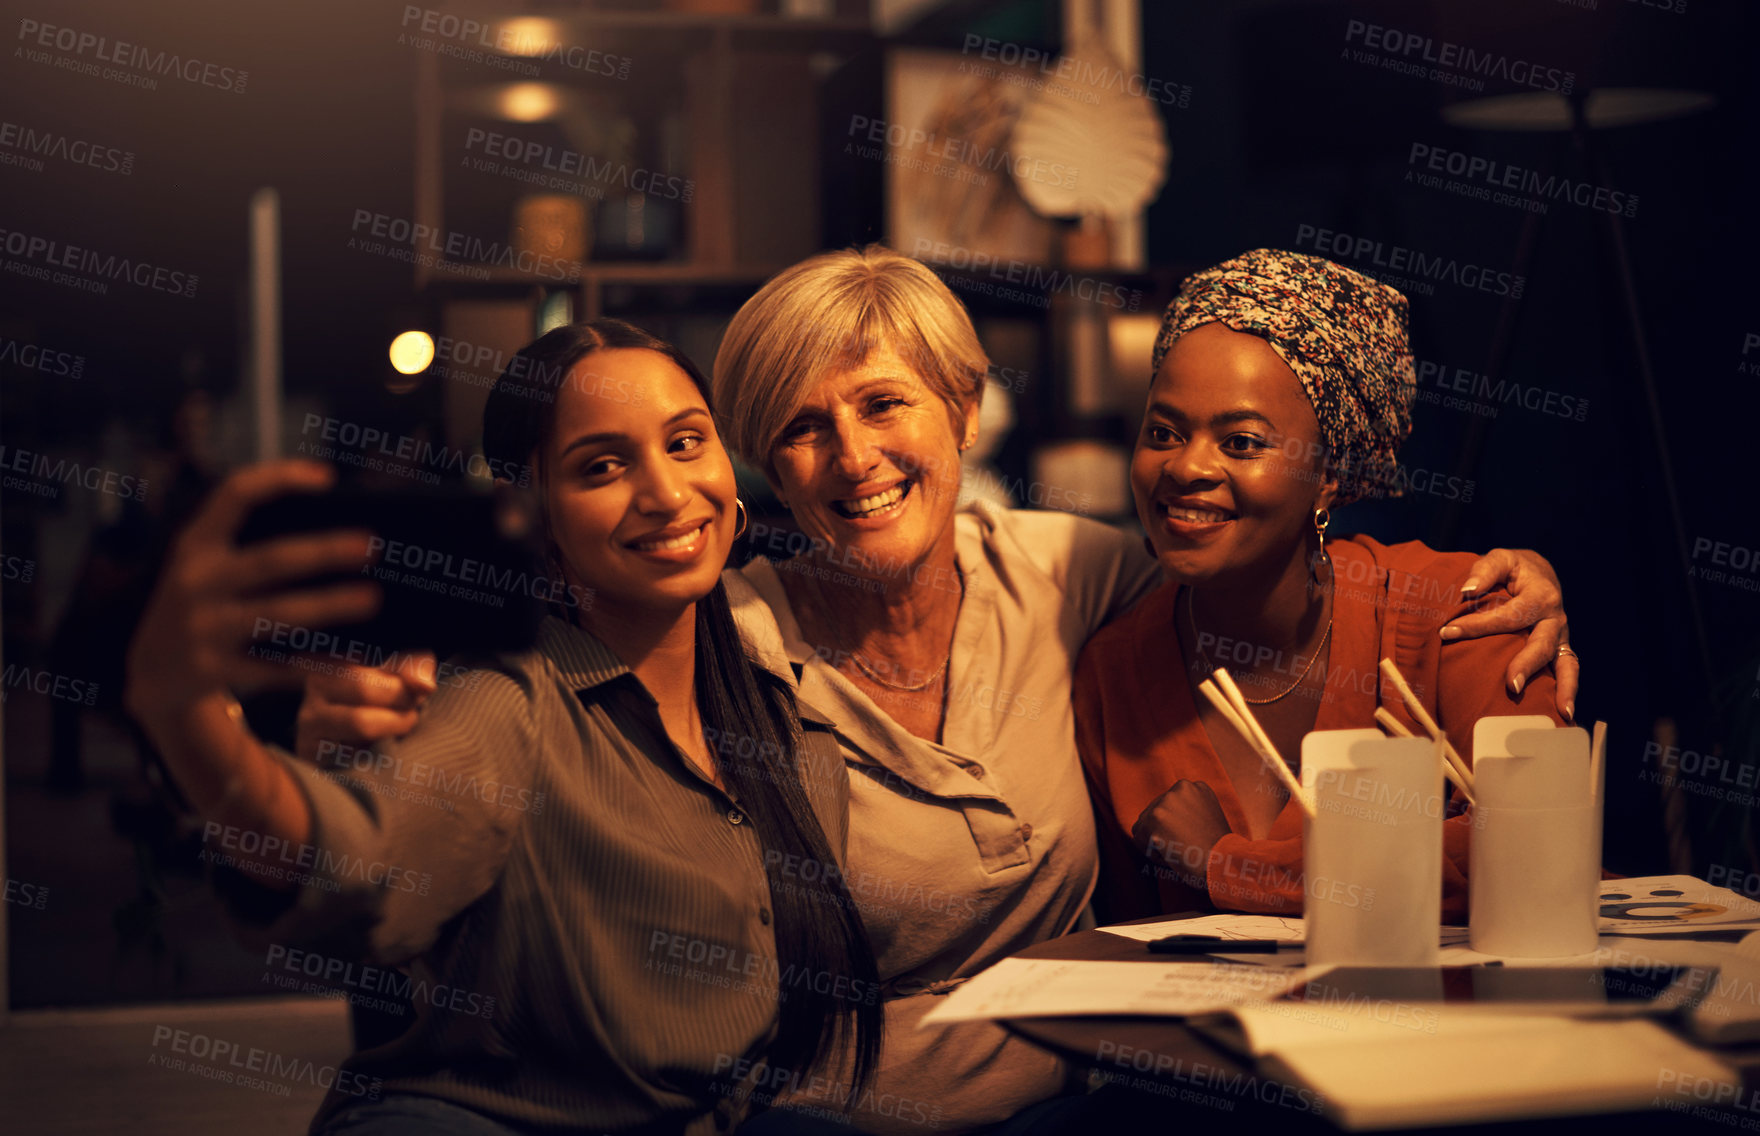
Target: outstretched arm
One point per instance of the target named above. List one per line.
(192, 650)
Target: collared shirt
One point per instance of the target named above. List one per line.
(963, 851)
(584, 916)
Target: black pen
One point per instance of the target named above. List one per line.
(1213, 945)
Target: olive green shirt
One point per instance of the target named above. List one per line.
(579, 916)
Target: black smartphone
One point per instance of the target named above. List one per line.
(460, 571)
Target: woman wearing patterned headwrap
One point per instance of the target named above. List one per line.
(1282, 389)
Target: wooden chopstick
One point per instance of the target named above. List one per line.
(1226, 708)
(1397, 728)
(1226, 683)
(1424, 719)
(1597, 758)
(1241, 718)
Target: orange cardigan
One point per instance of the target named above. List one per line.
(1138, 732)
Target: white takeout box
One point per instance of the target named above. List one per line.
(1536, 845)
(1373, 852)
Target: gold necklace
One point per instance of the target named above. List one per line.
(857, 660)
(1204, 656)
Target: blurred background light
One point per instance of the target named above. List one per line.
(530, 36)
(1548, 110)
(529, 102)
(411, 352)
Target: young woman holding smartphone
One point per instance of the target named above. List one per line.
(631, 954)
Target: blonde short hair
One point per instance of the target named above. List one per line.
(829, 312)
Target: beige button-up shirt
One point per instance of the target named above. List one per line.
(580, 918)
(964, 851)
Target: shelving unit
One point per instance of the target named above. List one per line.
(726, 104)
(745, 92)
(752, 110)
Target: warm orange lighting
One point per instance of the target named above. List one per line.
(411, 352)
(529, 102)
(1130, 341)
(530, 36)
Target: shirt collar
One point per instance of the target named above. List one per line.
(584, 661)
(757, 626)
(762, 580)
(865, 728)
(580, 657)
(1360, 608)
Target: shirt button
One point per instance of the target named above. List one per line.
(1026, 832)
(976, 771)
(764, 916)
(734, 816)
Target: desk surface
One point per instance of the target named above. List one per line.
(1161, 1057)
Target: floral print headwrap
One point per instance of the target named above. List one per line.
(1341, 332)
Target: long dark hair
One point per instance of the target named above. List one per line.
(818, 928)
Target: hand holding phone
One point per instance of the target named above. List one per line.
(196, 635)
(458, 570)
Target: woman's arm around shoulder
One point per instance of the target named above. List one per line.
(1533, 598)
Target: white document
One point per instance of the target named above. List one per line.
(1283, 928)
(1028, 988)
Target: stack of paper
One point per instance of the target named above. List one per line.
(1029, 988)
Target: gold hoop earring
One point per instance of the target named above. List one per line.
(739, 510)
(1322, 518)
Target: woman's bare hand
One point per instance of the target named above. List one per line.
(358, 706)
(214, 599)
(1179, 828)
(1537, 601)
